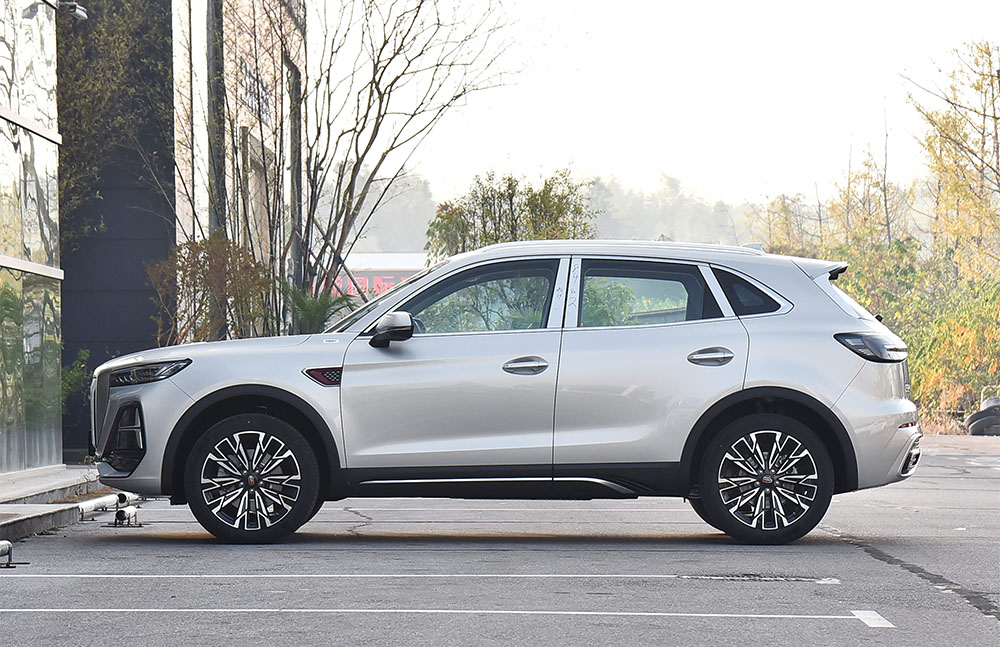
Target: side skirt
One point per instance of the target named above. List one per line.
(573, 481)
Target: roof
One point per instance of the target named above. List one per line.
(591, 244)
(651, 248)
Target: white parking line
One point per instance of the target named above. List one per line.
(515, 576)
(870, 618)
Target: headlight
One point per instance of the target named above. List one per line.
(147, 372)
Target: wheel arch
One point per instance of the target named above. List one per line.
(795, 404)
(251, 398)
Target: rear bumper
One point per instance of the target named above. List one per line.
(883, 425)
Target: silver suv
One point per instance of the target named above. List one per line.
(745, 382)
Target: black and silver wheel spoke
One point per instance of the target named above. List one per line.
(767, 480)
(250, 480)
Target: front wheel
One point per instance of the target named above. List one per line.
(252, 478)
(766, 479)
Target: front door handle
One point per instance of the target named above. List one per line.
(531, 365)
(714, 356)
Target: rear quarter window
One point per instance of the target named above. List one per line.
(745, 297)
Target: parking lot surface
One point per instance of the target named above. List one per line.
(915, 563)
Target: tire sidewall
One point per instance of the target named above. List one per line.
(983, 425)
(711, 500)
(304, 506)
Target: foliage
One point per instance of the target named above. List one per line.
(76, 376)
(310, 314)
(933, 275)
(203, 279)
(606, 302)
(963, 150)
(508, 209)
(106, 99)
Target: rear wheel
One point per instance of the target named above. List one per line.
(252, 478)
(766, 479)
(699, 507)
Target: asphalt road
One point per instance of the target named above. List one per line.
(916, 563)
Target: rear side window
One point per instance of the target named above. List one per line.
(635, 293)
(745, 297)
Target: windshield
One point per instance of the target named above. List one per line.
(350, 319)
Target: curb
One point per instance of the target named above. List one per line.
(38, 518)
(65, 492)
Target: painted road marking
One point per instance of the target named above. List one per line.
(870, 618)
(292, 576)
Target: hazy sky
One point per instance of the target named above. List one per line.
(737, 100)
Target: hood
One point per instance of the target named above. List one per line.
(203, 349)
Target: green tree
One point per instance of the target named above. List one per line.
(506, 209)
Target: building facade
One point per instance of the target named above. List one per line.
(230, 160)
(30, 338)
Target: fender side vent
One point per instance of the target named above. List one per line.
(325, 376)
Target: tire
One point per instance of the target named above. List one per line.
(766, 506)
(986, 425)
(989, 412)
(316, 509)
(239, 491)
(699, 507)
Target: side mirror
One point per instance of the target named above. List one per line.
(393, 326)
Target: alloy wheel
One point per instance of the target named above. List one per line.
(768, 480)
(250, 480)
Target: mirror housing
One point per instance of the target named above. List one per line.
(393, 326)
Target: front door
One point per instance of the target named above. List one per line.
(474, 386)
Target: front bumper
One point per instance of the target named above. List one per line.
(134, 466)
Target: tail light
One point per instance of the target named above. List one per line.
(873, 346)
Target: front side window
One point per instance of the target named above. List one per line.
(635, 293)
(514, 295)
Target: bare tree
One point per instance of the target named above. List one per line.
(387, 73)
(312, 148)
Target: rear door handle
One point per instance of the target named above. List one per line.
(531, 365)
(713, 356)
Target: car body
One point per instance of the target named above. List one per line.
(743, 381)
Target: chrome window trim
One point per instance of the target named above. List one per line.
(516, 479)
(429, 335)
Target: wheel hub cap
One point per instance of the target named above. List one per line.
(768, 480)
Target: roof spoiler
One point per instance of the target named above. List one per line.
(815, 268)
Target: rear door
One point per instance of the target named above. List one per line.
(648, 346)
